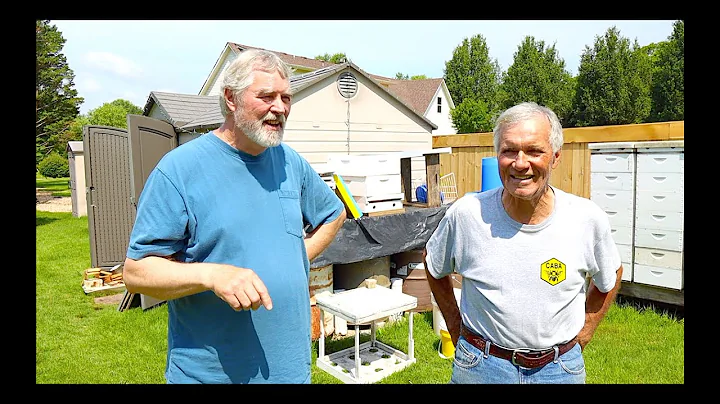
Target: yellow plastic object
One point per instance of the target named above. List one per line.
(347, 197)
(447, 349)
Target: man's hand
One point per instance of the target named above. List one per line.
(241, 288)
(584, 337)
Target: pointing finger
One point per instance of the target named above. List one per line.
(263, 293)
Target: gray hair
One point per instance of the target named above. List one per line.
(239, 74)
(525, 111)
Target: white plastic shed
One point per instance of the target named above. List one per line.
(76, 161)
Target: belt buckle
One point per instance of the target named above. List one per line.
(515, 351)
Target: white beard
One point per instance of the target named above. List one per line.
(256, 132)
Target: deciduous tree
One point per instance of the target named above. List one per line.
(472, 116)
(471, 73)
(668, 77)
(538, 74)
(613, 83)
(473, 76)
(113, 113)
(334, 58)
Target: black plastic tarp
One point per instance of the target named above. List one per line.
(371, 237)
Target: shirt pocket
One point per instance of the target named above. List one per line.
(292, 215)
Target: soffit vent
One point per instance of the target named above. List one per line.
(347, 85)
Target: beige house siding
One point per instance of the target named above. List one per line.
(215, 89)
(442, 119)
(317, 127)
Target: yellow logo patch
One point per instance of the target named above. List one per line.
(552, 271)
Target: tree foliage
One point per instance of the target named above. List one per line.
(113, 114)
(538, 74)
(56, 100)
(668, 77)
(472, 75)
(73, 132)
(401, 76)
(472, 116)
(613, 83)
(334, 58)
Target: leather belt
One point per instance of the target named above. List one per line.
(520, 357)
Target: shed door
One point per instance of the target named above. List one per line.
(117, 164)
(149, 140)
(107, 178)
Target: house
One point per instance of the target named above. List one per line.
(429, 98)
(337, 109)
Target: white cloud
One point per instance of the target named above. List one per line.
(113, 63)
(89, 85)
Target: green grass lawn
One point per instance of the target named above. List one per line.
(57, 186)
(80, 341)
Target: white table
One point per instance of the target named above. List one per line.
(373, 360)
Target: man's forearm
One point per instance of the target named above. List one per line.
(444, 294)
(597, 305)
(163, 278)
(319, 239)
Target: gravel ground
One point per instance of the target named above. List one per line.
(54, 204)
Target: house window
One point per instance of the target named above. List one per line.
(439, 104)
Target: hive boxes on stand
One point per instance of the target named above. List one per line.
(374, 181)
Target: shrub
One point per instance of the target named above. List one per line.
(54, 166)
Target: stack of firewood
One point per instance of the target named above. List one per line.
(98, 277)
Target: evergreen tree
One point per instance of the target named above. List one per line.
(56, 100)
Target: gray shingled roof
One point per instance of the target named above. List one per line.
(179, 109)
(417, 93)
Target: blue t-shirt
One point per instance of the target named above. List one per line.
(206, 201)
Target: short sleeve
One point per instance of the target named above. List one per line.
(607, 260)
(319, 203)
(440, 247)
(161, 222)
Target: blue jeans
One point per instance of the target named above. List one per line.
(470, 366)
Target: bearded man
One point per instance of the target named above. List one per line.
(220, 233)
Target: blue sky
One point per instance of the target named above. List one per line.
(129, 59)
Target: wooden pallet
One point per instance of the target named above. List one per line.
(105, 288)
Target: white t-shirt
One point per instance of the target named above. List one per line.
(524, 285)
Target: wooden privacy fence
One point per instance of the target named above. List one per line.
(573, 173)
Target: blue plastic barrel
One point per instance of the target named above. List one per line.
(421, 194)
(490, 174)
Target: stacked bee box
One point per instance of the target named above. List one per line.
(373, 180)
